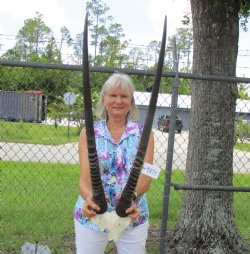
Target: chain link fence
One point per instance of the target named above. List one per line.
(39, 161)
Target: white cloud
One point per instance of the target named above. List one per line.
(173, 9)
(17, 11)
(1, 29)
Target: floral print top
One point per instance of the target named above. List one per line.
(115, 160)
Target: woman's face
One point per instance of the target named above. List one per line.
(117, 102)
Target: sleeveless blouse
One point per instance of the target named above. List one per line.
(115, 162)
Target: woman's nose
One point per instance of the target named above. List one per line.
(118, 99)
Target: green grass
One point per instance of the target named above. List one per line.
(37, 202)
(243, 147)
(241, 204)
(35, 133)
(155, 198)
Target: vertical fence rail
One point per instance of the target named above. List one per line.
(170, 152)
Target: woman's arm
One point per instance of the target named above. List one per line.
(84, 184)
(144, 180)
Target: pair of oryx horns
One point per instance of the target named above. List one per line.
(97, 187)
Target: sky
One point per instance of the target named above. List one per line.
(141, 20)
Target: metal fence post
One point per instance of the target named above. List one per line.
(170, 151)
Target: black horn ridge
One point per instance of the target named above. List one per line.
(128, 192)
(97, 187)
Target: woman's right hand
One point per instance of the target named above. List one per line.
(89, 208)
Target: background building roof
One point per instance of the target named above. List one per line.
(184, 101)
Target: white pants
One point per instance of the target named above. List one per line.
(89, 241)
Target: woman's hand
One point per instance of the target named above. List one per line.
(90, 208)
(133, 212)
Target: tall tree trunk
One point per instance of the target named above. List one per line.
(207, 224)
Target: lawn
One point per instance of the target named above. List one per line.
(37, 203)
(243, 147)
(35, 133)
(38, 200)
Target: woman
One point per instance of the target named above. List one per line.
(117, 136)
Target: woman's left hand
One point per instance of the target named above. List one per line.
(133, 212)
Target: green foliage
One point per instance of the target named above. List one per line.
(244, 13)
(184, 87)
(142, 83)
(137, 59)
(77, 46)
(77, 112)
(57, 110)
(243, 91)
(110, 51)
(106, 37)
(51, 52)
(36, 43)
(32, 37)
(65, 37)
(183, 42)
(53, 83)
(242, 130)
(97, 80)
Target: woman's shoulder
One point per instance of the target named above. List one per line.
(99, 127)
(134, 127)
(135, 124)
(99, 122)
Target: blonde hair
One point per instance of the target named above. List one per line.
(125, 83)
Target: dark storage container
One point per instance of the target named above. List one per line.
(28, 106)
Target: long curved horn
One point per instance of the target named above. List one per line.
(97, 187)
(128, 192)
